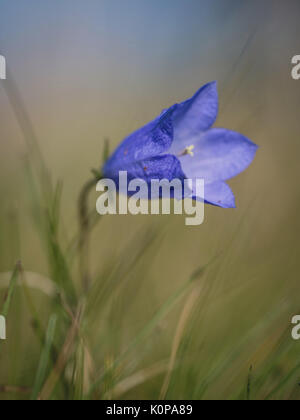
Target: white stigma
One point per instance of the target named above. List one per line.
(188, 151)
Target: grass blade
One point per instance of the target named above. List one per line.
(249, 383)
(45, 358)
(11, 290)
(283, 382)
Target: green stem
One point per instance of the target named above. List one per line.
(84, 234)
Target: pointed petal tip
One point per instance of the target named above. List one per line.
(218, 194)
(222, 205)
(251, 143)
(197, 114)
(210, 85)
(214, 83)
(252, 149)
(226, 205)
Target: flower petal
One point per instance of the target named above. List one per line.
(151, 140)
(219, 155)
(160, 167)
(218, 194)
(195, 115)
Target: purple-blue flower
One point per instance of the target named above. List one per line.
(181, 144)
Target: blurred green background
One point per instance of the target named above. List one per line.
(90, 70)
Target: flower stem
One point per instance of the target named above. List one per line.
(84, 234)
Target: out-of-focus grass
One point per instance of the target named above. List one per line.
(172, 312)
(223, 332)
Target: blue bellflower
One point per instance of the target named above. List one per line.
(181, 144)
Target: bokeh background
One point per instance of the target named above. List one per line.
(95, 69)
